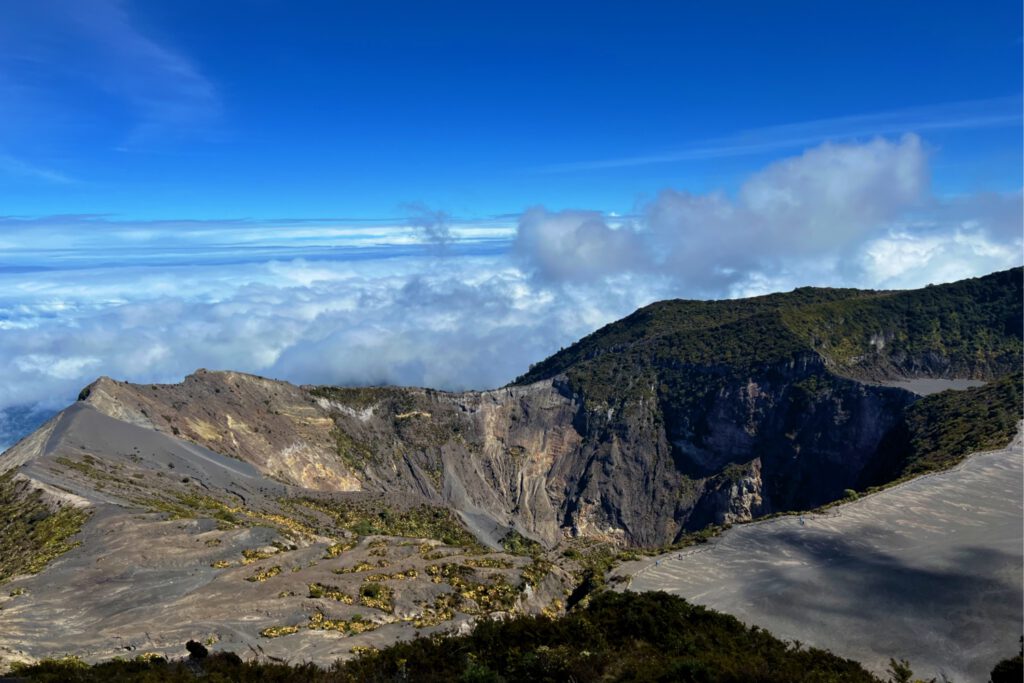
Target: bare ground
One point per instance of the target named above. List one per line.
(929, 571)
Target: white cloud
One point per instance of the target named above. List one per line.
(377, 304)
(468, 322)
(970, 114)
(838, 214)
(903, 259)
(576, 245)
(57, 367)
(832, 194)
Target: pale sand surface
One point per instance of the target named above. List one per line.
(926, 386)
(929, 571)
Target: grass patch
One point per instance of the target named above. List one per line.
(31, 534)
(376, 596)
(319, 590)
(278, 631)
(376, 518)
(262, 575)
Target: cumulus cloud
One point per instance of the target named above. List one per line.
(576, 245)
(837, 214)
(833, 194)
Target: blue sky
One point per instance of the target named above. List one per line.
(441, 193)
(269, 109)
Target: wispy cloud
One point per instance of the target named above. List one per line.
(84, 234)
(996, 112)
(93, 58)
(167, 91)
(13, 166)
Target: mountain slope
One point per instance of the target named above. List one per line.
(181, 542)
(679, 415)
(969, 328)
(683, 415)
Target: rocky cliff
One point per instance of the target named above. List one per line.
(684, 414)
(249, 509)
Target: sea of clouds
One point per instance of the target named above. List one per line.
(435, 301)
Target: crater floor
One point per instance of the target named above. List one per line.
(929, 571)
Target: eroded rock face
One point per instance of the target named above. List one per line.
(275, 426)
(537, 458)
(737, 495)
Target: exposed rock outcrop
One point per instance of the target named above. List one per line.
(536, 458)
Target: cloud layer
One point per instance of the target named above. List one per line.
(440, 303)
(850, 214)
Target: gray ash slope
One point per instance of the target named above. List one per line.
(929, 571)
(684, 414)
(183, 543)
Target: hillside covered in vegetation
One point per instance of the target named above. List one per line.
(938, 431)
(969, 328)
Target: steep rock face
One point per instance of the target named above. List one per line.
(736, 495)
(535, 458)
(488, 454)
(631, 433)
(275, 426)
(652, 466)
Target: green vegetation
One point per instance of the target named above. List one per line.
(278, 631)
(352, 453)
(973, 325)
(376, 596)
(495, 594)
(617, 637)
(938, 431)
(32, 534)
(336, 549)
(318, 622)
(439, 611)
(360, 398)
(515, 543)
(191, 505)
(488, 563)
(319, 590)
(262, 575)
(947, 426)
(1011, 669)
(972, 328)
(367, 518)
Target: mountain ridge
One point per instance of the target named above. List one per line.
(457, 505)
(638, 394)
